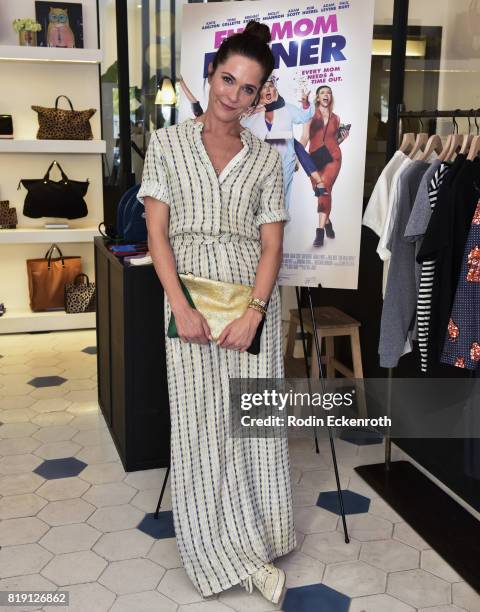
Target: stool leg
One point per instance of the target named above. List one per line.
(329, 352)
(358, 371)
(292, 333)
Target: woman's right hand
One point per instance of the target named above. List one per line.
(192, 326)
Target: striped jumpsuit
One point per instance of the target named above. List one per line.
(231, 497)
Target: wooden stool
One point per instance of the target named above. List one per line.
(331, 322)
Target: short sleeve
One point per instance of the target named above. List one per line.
(272, 200)
(155, 173)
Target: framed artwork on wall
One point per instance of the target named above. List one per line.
(62, 24)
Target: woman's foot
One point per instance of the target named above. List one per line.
(319, 237)
(329, 230)
(269, 580)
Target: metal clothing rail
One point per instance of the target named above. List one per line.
(424, 114)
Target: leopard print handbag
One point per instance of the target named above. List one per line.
(80, 295)
(63, 124)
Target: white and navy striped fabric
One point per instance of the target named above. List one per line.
(424, 300)
(232, 501)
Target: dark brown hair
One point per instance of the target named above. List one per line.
(251, 43)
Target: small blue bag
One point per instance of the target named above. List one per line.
(131, 224)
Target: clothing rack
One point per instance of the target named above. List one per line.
(424, 114)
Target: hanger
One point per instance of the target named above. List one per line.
(456, 140)
(434, 144)
(467, 139)
(420, 141)
(475, 146)
(446, 148)
(408, 142)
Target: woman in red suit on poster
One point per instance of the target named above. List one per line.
(325, 134)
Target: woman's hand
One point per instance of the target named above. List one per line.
(343, 135)
(192, 326)
(238, 335)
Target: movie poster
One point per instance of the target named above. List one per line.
(313, 109)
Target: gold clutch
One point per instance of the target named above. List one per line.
(219, 302)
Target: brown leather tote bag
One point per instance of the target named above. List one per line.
(47, 278)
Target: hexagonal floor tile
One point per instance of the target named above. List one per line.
(177, 586)
(146, 479)
(366, 528)
(158, 528)
(18, 446)
(21, 531)
(147, 499)
(17, 430)
(111, 494)
(314, 520)
(300, 569)
(355, 578)
(63, 488)
(23, 559)
(17, 464)
(16, 506)
(165, 553)
(70, 538)
(330, 547)
(54, 433)
(148, 601)
(90, 596)
(115, 518)
(46, 381)
(52, 419)
(404, 533)
(315, 597)
(390, 555)
(419, 588)
(465, 597)
(432, 562)
(30, 582)
(103, 473)
(379, 603)
(66, 512)
(121, 545)
(58, 450)
(131, 576)
(16, 484)
(353, 502)
(98, 454)
(60, 468)
(74, 568)
(20, 415)
(361, 437)
(55, 404)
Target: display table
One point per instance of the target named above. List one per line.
(132, 377)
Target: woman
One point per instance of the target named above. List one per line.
(274, 122)
(325, 134)
(213, 194)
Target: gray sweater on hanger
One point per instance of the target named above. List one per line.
(398, 313)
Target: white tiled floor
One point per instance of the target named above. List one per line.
(79, 533)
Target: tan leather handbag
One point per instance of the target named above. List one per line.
(47, 278)
(60, 124)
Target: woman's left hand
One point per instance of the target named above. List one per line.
(344, 134)
(238, 335)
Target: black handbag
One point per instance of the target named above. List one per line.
(321, 157)
(47, 198)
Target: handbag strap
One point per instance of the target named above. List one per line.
(47, 173)
(66, 98)
(79, 279)
(49, 253)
